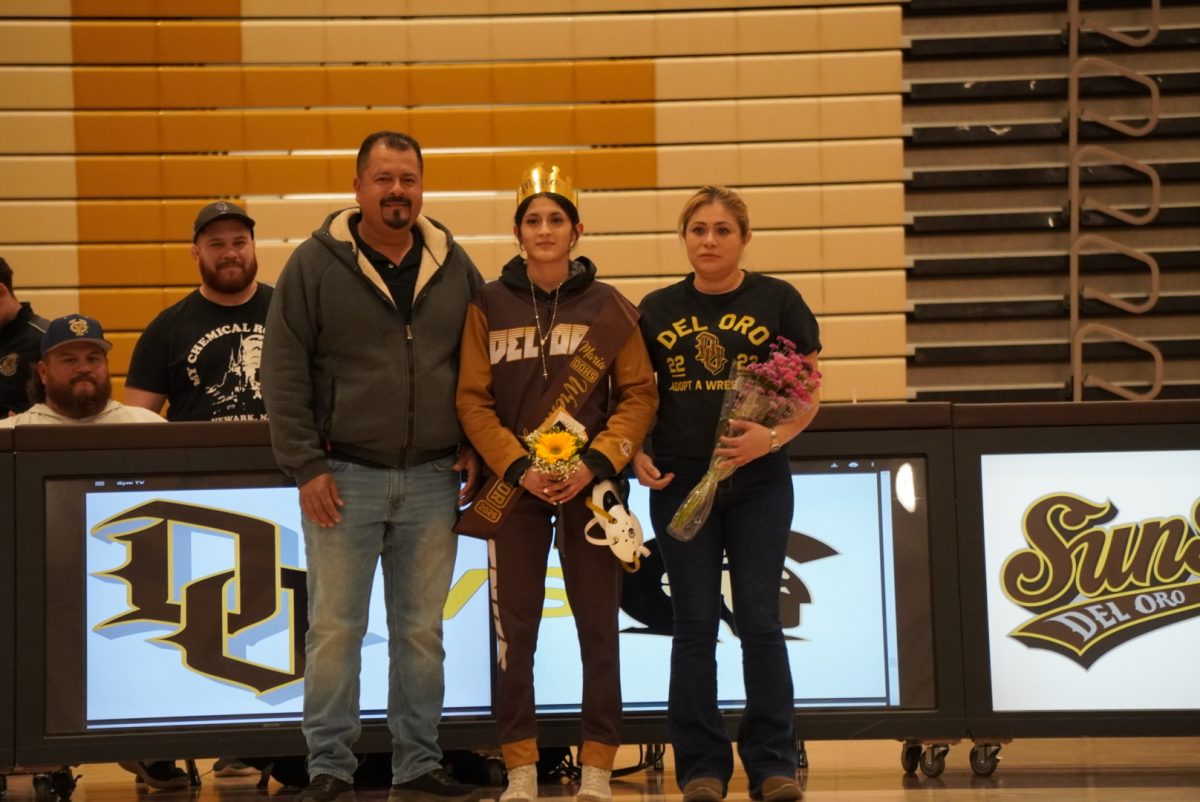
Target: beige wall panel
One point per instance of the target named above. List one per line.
(850, 117)
(696, 78)
(670, 204)
(285, 8)
(672, 257)
(41, 265)
(784, 163)
(863, 248)
(862, 204)
(845, 336)
(39, 177)
(609, 36)
(272, 256)
(859, 73)
(635, 289)
(521, 37)
(35, 42)
(792, 251)
(488, 256)
(383, 40)
(697, 165)
(881, 379)
(862, 291)
(782, 119)
(627, 255)
(465, 216)
(862, 160)
(809, 285)
(291, 218)
(864, 28)
(449, 40)
(777, 31)
(276, 42)
(604, 212)
(773, 76)
(36, 88)
(696, 121)
(783, 207)
(694, 34)
(38, 132)
(53, 303)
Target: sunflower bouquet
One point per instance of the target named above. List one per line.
(557, 445)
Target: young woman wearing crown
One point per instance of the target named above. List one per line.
(549, 349)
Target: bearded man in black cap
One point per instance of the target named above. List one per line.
(201, 355)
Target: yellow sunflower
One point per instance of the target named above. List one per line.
(554, 447)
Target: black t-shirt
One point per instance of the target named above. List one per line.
(400, 278)
(204, 357)
(695, 340)
(20, 348)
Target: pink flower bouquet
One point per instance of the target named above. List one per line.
(762, 392)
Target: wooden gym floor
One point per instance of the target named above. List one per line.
(1033, 770)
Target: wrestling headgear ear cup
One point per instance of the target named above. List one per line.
(622, 532)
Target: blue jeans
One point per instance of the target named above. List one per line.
(405, 517)
(749, 526)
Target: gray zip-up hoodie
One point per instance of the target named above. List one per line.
(341, 372)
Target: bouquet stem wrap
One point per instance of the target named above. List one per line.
(765, 393)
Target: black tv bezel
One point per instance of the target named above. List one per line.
(8, 606)
(970, 445)
(947, 717)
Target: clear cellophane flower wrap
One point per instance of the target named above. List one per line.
(767, 392)
(557, 445)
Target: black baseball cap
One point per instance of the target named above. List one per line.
(219, 211)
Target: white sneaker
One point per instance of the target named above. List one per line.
(522, 784)
(593, 787)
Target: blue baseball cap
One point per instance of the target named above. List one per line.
(73, 329)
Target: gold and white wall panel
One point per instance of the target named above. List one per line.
(122, 117)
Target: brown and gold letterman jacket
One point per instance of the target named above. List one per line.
(500, 370)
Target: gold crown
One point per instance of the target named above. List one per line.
(539, 180)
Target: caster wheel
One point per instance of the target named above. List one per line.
(62, 782)
(910, 757)
(984, 759)
(41, 787)
(933, 761)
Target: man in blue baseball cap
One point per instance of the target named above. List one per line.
(71, 383)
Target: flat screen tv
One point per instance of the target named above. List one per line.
(1080, 557)
(174, 613)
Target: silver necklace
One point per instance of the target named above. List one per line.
(537, 321)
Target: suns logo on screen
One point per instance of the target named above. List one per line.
(210, 612)
(1096, 584)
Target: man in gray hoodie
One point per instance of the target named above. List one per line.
(359, 369)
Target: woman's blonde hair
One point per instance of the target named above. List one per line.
(725, 196)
